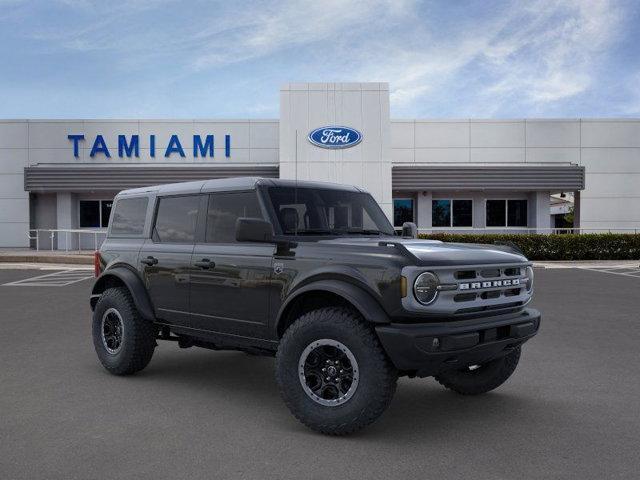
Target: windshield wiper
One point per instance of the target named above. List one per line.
(320, 231)
(365, 232)
(317, 231)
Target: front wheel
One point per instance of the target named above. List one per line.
(477, 379)
(332, 372)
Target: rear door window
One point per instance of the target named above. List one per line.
(176, 219)
(129, 216)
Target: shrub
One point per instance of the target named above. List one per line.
(586, 246)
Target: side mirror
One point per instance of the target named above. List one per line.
(409, 230)
(253, 230)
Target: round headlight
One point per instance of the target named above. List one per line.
(529, 274)
(425, 288)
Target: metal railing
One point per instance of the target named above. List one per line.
(68, 233)
(508, 230)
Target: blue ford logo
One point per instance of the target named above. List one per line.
(335, 137)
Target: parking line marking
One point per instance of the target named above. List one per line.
(619, 267)
(634, 274)
(56, 279)
(73, 275)
(622, 271)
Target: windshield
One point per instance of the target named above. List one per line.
(317, 211)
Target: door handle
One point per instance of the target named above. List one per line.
(205, 264)
(149, 260)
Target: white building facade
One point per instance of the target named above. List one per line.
(446, 175)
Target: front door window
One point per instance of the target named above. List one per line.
(230, 280)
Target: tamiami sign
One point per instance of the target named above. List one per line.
(129, 146)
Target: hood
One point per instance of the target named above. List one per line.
(440, 253)
(437, 253)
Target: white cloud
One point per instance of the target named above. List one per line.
(288, 24)
(221, 32)
(542, 53)
(545, 52)
(534, 53)
(553, 57)
(630, 105)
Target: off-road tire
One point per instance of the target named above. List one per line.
(482, 380)
(138, 339)
(377, 376)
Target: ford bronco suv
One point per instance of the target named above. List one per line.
(312, 274)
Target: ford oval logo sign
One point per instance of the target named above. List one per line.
(335, 137)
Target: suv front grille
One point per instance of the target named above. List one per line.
(475, 289)
(489, 307)
(491, 294)
(465, 275)
(487, 288)
(490, 273)
(513, 272)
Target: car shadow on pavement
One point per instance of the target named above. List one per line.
(421, 407)
(232, 373)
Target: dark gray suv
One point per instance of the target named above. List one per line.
(312, 274)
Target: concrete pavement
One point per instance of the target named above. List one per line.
(569, 411)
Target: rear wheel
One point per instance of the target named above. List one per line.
(477, 379)
(332, 372)
(123, 340)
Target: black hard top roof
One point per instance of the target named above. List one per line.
(227, 184)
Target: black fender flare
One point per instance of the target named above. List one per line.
(367, 305)
(135, 285)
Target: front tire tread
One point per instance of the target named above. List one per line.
(336, 319)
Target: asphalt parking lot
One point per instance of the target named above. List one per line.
(571, 410)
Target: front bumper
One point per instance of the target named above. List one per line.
(429, 348)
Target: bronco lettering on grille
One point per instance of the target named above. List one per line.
(491, 284)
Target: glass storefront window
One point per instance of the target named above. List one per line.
(496, 213)
(517, 213)
(462, 213)
(95, 213)
(452, 213)
(441, 213)
(402, 211)
(507, 213)
(89, 214)
(105, 212)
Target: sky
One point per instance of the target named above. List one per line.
(207, 59)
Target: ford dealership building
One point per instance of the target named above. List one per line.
(446, 175)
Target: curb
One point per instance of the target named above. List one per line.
(61, 259)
